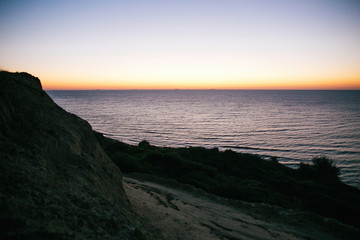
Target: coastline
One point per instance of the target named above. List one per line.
(63, 180)
(291, 125)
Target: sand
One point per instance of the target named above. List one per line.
(178, 213)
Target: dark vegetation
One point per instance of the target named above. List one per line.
(313, 187)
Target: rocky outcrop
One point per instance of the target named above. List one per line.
(56, 182)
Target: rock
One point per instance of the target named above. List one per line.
(56, 182)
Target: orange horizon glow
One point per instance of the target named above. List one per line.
(333, 84)
(201, 83)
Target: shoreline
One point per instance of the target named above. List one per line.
(293, 163)
(296, 126)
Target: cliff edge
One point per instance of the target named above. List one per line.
(56, 182)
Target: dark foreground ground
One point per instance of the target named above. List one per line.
(314, 188)
(177, 211)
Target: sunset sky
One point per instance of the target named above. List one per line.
(223, 44)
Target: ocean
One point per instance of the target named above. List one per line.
(294, 125)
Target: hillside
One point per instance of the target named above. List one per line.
(56, 180)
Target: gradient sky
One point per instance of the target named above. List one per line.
(225, 44)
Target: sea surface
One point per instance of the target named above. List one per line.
(294, 126)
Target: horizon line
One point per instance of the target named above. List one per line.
(210, 89)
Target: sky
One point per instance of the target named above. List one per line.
(152, 44)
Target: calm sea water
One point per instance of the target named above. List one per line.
(291, 125)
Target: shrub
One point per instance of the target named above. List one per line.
(306, 171)
(144, 144)
(169, 163)
(127, 163)
(322, 169)
(325, 169)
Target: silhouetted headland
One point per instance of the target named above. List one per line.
(56, 180)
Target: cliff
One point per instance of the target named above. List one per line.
(56, 182)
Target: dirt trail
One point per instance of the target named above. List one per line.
(179, 214)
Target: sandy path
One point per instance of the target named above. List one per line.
(179, 214)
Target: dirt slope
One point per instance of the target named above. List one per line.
(192, 214)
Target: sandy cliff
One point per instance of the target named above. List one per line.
(56, 180)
